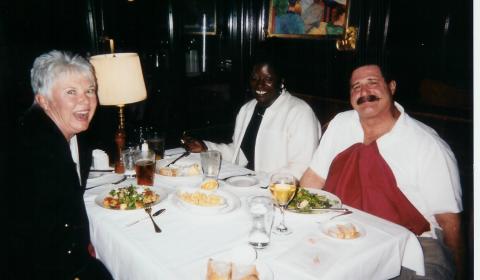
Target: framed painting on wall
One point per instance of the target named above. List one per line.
(308, 18)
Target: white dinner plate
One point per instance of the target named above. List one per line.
(330, 229)
(159, 191)
(336, 202)
(243, 181)
(231, 202)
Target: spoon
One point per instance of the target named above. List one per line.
(156, 213)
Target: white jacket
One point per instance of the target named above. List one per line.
(286, 140)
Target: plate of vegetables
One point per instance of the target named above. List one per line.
(130, 198)
(313, 201)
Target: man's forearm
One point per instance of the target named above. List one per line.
(452, 237)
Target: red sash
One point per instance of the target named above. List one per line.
(361, 178)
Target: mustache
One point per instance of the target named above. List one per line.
(367, 98)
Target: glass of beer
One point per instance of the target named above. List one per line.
(145, 167)
(283, 187)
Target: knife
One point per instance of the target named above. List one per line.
(181, 156)
(154, 215)
(114, 183)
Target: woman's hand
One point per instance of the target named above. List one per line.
(193, 145)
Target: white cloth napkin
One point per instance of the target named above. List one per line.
(176, 151)
(100, 160)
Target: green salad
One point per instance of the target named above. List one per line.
(129, 198)
(304, 201)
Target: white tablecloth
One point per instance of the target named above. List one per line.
(187, 240)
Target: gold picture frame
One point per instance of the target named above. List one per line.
(309, 19)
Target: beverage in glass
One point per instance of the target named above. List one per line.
(145, 167)
(261, 211)
(283, 187)
(157, 144)
(211, 161)
(128, 158)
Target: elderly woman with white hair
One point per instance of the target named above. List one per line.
(49, 236)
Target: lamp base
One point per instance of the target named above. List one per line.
(120, 142)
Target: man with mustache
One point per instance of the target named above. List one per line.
(378, 159)
(274, 131)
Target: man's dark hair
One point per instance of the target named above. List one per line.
(385, 70)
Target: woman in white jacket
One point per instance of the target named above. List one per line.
(273, 132)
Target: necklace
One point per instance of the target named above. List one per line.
(260, 114)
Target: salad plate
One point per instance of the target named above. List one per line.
(313, 201)
(130, 195)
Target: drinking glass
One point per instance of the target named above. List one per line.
(283, 187)
(128, 158)
(211, 161)
(261, 211)
(157, 144)
(145, 167)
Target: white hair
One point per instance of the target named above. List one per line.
(51, 66)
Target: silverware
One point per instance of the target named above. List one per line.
(148, 209)
(154, 215)
(344, 213)
(114, 183)
(181, 156)
(121, 180)
(331, 209)
(248, 174)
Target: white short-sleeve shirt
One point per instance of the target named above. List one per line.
(424, 166)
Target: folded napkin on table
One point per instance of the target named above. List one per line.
(100, 160)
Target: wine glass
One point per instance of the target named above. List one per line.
(283, 187)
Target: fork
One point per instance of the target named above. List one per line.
(148, 209)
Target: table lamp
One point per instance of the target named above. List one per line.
(120, 81)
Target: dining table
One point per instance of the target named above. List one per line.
(126, 242)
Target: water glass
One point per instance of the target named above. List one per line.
(261, 210)
(211, 161)
(128, 158)
(145, 167)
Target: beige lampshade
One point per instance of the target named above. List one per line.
(119, 78)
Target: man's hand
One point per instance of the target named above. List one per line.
(193, 145)
(452, 237)
(91, 250)
(310, 179)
